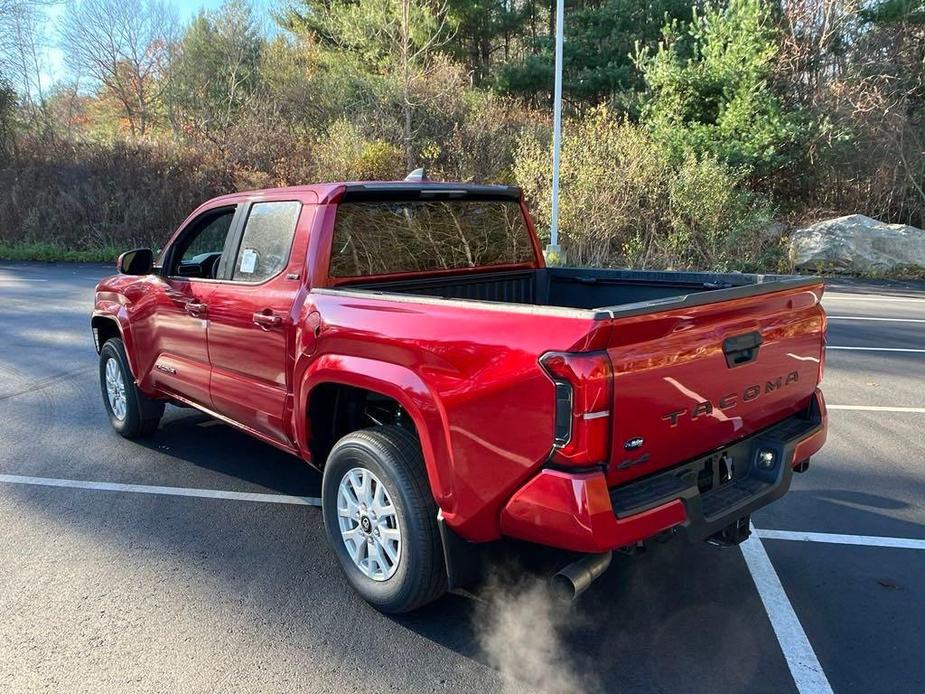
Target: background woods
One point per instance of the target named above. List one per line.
(697, 133)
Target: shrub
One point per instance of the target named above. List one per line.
(715, 222)
(343, 154)
(92, 195)
(612, 183)
(709, 89)
(478, 138)
(623, 201)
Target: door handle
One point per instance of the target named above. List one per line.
(267, 320)
(195, 308)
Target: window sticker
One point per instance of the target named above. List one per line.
(248, 261)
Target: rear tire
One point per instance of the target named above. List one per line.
(394, 533)
(130, 411)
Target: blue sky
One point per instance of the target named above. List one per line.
(186, 9)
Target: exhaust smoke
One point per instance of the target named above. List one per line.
(522, 624)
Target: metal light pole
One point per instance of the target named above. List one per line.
(556, 131)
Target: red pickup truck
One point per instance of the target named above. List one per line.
(407, 339)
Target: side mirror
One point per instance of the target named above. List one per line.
(137, 262)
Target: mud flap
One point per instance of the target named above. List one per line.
(463, 559)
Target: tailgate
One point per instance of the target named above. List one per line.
(692, 379)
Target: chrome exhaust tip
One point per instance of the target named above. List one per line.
(575, 578)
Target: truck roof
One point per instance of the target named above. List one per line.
(356, 190)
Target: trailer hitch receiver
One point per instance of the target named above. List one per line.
(733, 534)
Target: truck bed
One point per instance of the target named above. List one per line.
(699, 360)
(608, 292)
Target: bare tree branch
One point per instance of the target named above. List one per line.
(124, 46)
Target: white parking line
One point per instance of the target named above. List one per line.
(870, 297)
(890, 320)
(170, 491)
(802, 662)
(876, 408)
(798, 652)
(835, 539)
(876, 349)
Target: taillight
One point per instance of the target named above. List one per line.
(584, 398)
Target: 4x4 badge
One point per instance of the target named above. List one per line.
(633, 443)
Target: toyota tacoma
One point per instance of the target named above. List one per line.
(408, 340)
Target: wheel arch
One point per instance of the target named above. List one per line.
(326, 374)
(110, 322)
(104, 328)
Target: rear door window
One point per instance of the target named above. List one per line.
(383, 237)
(267, 239)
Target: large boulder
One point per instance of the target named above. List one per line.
(857, 244)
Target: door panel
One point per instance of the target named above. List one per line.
(251, 325)
(173, 334)
(249, 360)
(181, 357)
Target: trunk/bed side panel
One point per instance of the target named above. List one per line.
(505, 286)
(674, 389)
(486, 407)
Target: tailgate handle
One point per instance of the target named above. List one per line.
(741, 349)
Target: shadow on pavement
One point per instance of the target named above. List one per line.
(206, 443)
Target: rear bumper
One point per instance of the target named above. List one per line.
(576, 511)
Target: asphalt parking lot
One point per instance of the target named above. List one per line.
(123, 586)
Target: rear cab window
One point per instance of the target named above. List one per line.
(385, 237)
(266, 242)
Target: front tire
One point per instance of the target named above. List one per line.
(381, 519)
(131, 413)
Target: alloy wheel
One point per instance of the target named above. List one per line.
(368, 522)
(115, 389)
